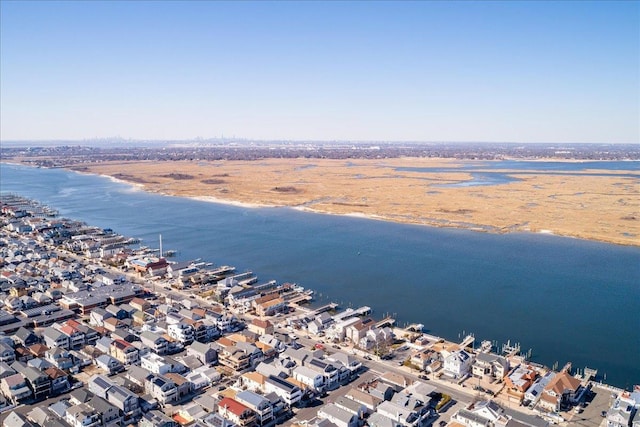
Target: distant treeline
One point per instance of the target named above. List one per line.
(68, 155)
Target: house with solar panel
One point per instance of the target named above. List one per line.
(288, 392)
(458, 364)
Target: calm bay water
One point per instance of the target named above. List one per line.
(567, 299)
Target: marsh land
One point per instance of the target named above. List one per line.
(585, 204)
(577, 191)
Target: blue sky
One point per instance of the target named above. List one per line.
(516, 71)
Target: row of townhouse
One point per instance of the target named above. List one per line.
(24, 382)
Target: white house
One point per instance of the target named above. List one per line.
(309, 377)
(458, 364)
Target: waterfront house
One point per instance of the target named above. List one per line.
(491, 365)
(458, 364)
(321, 322)
(534, 392)
(562, 391)
(338, 329)
(269, 306)
(377, 338)
(356, 331)
(518, 381)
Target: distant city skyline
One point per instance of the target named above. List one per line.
(520, 72)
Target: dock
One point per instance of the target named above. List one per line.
(300, 299)
(329, 307)
(387, 321)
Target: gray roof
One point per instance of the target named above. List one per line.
(336, 412)
(529, 420)
(105, 358)
(349, 405)
(33, 374)
(120, 394)
(280, 383)
(100, 405)
(200, 347)
(38, 415)
(151, 336)
(379, 420)
(253, 399)
(60, 407)
(82, 395)
(138, 373)
(15, 420)
(52, 333)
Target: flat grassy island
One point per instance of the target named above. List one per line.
(595, 205)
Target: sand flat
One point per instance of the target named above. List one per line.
(577, 204)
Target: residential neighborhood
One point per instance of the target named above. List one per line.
(96, 333)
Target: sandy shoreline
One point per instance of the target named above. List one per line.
(602, 206)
